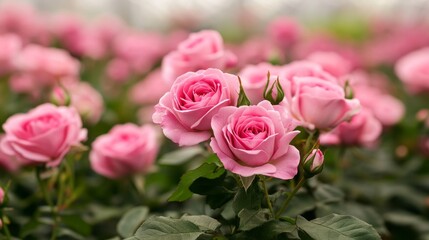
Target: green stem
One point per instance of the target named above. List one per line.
(267, 197)
(5, 228)
(290, 196)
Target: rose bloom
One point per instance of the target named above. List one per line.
(331, 62)
(252, 140)
(87, 101)
(320, 104)
(362, 130)
(284, 32)
(185, 112)
(118, 70)
(44, 135)
(7, 162)
(1, 196)
(254, 80)
(150, 89)
(127, 149)
(48, 64)
(11, 45)
(200, 50)
(413, 70)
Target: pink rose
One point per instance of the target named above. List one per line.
(413, 70)
(11, 45)
(43, 135)
(386, 108)
(255, 50)
(1, 196)
(127, 149)
(185, 112)
(26, 83)
(200, 50)
(118, 70)
(363, 130)
(331, 62)
(320, 104)
(47, 64)
(254, 80)
(284, 32)
(316, 159)
(87, 101)
(150, 89)
(252, 140)
(7, 162)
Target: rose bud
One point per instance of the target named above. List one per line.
(313, 164)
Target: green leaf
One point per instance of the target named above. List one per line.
(336, 227)
(250, 199)
(250, 219)
(180, 156)
(327, 194)
(210, 171)
(203, 222)
(301, 203)
(131, 221)
(77, 224)
(218, 191)
(164, 228)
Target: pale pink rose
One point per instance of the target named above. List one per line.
(108, 27)
(254, 79)
(87, 101)
(252, 140)
(376, 80)
(185, 112)
(47, 64)
(317, 157)
(150, 89)
(320, 104)
(126, 150)
(27, 84)
(255, 50)
(140, 50)
(7, 162)
(118, 70)
(331, 62)
(199, 51)
(413, 70)
(284, 32)
(386, 108)
(10, 44)
(44, 135)
(1, 196)
(293, 72)
(362, 130)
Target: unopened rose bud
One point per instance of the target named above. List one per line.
(60, 96)
(313, 164)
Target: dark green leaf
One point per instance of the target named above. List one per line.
(131, 221)
(301, 203)
(210, 171)
(203, 222)
(327, 194)
(252, 218)
(180, 156)
(164, 228)
(250, 199)
(336, 227)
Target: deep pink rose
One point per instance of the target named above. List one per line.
(47, 64)
(413, 70)
(127, 149)
(362, 130)
(252, 140)
(331, 62)
(200, 50)
(254, 80)
(284, 32)
(320, 104)
(43, 135)
(185, 112)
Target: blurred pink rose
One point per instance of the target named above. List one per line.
(127, 149)
(362, 130)
(317, 158)
(10, 44)
(108, 27)
(284, 32)
(27, 84)
(87, 101)
(47, 64)
(43, 135)
(150, 89)
(413, 70)
(185, 112)
(386, 108)
(7, 162)
(199, 51)
(252, 140)
(297, 69)
(1, 196)
(331, 62)
(320, 104)
(254, 79)
(118, 70)
(254, 50)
